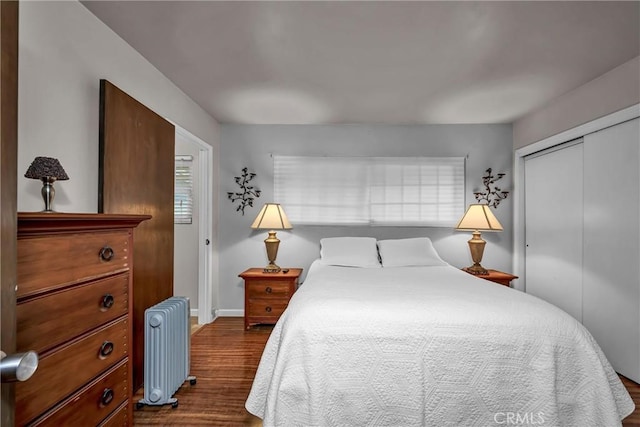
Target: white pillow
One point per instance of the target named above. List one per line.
(418, 251)
(349, 251)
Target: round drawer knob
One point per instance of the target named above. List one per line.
(107, 253)
(106, 349)
(107, 301)
(107, 397)
(268, 309)
(268, 290)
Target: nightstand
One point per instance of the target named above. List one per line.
(266, 295)
(497, 277)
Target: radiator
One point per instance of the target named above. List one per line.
(167, 342)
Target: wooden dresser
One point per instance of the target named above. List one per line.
(74, 278)
(266, 295)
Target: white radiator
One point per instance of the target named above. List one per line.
(167, 341)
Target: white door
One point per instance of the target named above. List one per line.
(553, 227)
(612, 244)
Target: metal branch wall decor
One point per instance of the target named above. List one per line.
(247, 192)
(492, 194)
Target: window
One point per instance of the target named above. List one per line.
(421, 191)
(183, 190)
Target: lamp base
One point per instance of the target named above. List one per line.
(477, 270)
(272, 268)
(272, 243)
(48, 193)
(476, 246)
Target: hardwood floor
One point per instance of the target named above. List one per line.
(632, 420)
(194, 324)
(224, 358)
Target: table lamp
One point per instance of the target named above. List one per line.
(477, 218)
(48, 170)
(271, 217)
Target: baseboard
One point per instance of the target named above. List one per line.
(229, 313)
(194, 312)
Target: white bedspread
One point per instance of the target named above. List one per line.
(429, 346)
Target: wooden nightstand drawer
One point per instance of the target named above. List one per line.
(268, 289)
(266, 295)
(267, 307)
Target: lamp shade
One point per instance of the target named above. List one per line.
(46, 167)
(271, 217)
(479, 217)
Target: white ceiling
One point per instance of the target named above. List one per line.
(376, 62)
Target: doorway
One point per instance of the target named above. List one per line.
(192, 242)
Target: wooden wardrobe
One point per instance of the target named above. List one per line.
(136, 176)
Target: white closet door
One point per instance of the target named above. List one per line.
(553, 227)
(612, 244)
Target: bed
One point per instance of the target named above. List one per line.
(365, 344)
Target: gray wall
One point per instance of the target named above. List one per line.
(611, 92)
(64, 52)
(252, 146)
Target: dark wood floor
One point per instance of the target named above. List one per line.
(634, 391)
(224, 358)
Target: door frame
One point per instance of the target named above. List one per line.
(9, 23)
(609, 120)
(205, 224)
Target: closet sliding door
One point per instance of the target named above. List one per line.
(611, 288)
(553, 231)
(582, 231)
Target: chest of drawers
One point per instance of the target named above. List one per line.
(74, 300)
(266, 295)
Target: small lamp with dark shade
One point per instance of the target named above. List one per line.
(477, 218)
(48, 170)
(272, 217)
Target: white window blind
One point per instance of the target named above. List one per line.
(183, 190)
(322, 190)
(422, 191)
(417, 190)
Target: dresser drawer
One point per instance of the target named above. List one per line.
(93, 403)
(269, 288)
(75, 310)
(267, 308)
(50, 262)
(119, 418)
(67, 369)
